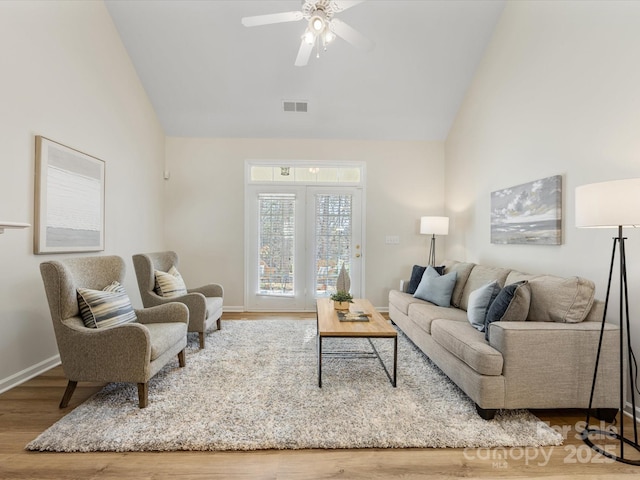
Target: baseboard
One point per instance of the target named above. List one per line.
(28, 373)
(628, 411)
(235, 309)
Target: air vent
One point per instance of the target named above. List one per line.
(294, 106)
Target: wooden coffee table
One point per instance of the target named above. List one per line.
(377, 327)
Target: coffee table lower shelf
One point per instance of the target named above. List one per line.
(362, 354)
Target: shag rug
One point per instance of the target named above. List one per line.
(255, 387)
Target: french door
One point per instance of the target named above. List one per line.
(297, 239)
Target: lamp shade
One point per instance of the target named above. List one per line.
(608, 204)
(434, 225)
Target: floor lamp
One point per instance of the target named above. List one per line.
(434, 226)
(614, 204)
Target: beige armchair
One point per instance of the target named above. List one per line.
(129, 352)
(205, 303)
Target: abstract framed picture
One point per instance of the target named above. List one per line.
(69, 200)
(529, 214)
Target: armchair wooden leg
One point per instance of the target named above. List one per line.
(181, 359)
(219, 323)
(143, 394)
(201, 334)
(71, 386)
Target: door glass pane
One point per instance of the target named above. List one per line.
(276, 237)
(332, 240)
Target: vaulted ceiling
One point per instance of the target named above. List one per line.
(209, 76)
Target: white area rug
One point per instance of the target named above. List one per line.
(255, 387)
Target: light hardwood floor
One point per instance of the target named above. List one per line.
(30, 408)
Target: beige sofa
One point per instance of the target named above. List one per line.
(543, 362)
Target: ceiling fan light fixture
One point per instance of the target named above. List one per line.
(309, 37)
(322, 26)
(329, 36)
(318, 22)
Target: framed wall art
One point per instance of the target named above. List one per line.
(69, 200)
(530, 213)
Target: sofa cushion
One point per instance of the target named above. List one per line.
(511, 305)
(423, 314)
(468, 344)
(557, 299)
(481, 275)
(479, 302)
(436, 288)
(596, 313)
(462, 270)
(416, 276)
(402, 300)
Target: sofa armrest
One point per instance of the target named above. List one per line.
(549, 364)
(530, 325)
(404, 285)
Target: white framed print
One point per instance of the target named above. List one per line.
(69, 200)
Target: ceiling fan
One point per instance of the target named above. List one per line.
(322, 26)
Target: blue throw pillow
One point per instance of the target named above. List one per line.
(436, 288)
(416, 277)
(479, 302)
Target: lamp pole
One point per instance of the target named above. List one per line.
(613, 204)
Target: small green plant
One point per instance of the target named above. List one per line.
(342, 296)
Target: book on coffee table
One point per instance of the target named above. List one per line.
(357, 316)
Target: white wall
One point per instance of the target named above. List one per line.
(205, 204)
(557, 93)
(66, 75)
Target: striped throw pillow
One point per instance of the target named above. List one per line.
(170, 284)
(105, 308)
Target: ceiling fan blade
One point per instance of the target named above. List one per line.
(350, 35)
(342, 5)
(303, 53)
(271, 18)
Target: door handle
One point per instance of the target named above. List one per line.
(357, 255)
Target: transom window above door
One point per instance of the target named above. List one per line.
(306, 173)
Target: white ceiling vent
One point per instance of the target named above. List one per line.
(294, 106)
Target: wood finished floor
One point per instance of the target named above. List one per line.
(30, 408)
